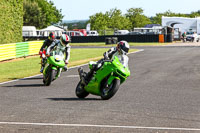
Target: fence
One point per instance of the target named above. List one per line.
(129, 38)
(15, 50)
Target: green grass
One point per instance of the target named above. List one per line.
(25, 67)
(131, 44)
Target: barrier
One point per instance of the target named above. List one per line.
(34, 47)
(129, 38)
(161, 38)
(16, 50)
(7, 51)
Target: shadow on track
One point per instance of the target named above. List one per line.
(33, 78)
(26, 85)
(73, 99)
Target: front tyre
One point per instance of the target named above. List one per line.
(80, 91)
(49, 77)
(109, 91)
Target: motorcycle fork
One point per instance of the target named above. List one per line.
(58, 72)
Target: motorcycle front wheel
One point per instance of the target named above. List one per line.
(109, 91)
(80, 91)
(49, 77)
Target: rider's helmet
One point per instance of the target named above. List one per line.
(52, 36)
(123, 47)
(64, 39)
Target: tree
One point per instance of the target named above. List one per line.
(111, 20)
(136, 17)
(41, 13)
(32, 13)
(157, 19)
(117, 20)
(99, 22)
(195, 14)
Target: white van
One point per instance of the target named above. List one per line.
(121, 32)
(92, 33)
(73, 33)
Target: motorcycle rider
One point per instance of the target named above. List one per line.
(46, 44)
(61, 46)
(120, 51)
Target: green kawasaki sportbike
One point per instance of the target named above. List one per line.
(53, 67)
(105, 82)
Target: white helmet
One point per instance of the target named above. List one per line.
(123, 47)
(64, 39)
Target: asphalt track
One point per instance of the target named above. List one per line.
(162, 95)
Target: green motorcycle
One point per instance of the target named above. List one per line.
(53, 68)
(105, 82)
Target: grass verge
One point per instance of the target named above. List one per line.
(24, 67)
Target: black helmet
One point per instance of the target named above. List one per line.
(51, 36)
(123, 47)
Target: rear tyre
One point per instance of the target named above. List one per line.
(80, 91)
(109, 91)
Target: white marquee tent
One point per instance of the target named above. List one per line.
(46, 31)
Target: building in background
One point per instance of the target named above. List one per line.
(29, 31)
(182, 24)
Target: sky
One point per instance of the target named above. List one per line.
(82, 9)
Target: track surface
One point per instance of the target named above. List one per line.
(162, 95)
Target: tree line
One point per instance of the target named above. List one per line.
(42, 13)
(115, 20)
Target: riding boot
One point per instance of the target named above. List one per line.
(82, 76)
(65, 68)
(43, 61)
(41, 70)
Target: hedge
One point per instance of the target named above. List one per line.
(11, 21)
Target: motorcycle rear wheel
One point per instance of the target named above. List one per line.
(109, 91)
(80, 91)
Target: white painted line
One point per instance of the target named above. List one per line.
(72, 76)
(101, 126)
(68, 69)
(136, 51)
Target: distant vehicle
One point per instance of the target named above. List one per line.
(92, 33)
(192, 37)
(150, 31)
(73, 33)
(29, 31)
(121, 32)
(82, 31)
